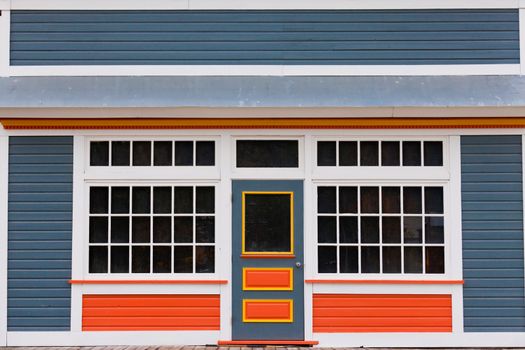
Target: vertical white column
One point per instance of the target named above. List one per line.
(77, 249)
(5, 30)
(522, 37)
(224, 234)
(4, 156)
(309, 239)
(455, 259)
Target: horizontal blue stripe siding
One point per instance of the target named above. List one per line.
(39, 233)
(492, 209)
(265, 37)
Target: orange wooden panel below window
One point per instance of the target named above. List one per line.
(267, 278)
(150, 312)
(267, 310)
(340, 313)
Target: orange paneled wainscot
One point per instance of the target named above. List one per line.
(150, 312)
(352, 313)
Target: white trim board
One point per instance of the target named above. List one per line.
(268, 70)
(5, 42)
(252, 5)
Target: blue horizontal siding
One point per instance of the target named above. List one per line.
(264, 37)
(39, 227)
(492, 209)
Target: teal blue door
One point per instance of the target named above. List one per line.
(268, 278)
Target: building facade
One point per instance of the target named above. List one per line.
(337, 173)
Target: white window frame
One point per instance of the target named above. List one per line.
(153, 172)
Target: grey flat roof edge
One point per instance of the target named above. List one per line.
(261, 91)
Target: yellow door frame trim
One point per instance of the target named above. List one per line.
(290, 193)
(245, 269)
(267, 320)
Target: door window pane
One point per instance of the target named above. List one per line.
(267, 222)
(267, 153)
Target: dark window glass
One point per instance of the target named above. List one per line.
(184, 153)
(267, 154)
(326, 199)
(391, 229)
(162, 200)
(370, 259)
(119, 229)
(412, 200)
(348, 259)
(183, 200)
(369, 153)
(183, 259)
(435, 260)
(327, 259)
(140, 259)
(119, 259)
(141, 200)
(162, 259)
(326, 151)
(413, 260)
(369, 199)
(205, 259)
(267, 223)
(434, 200)
(162, 153)
(391, 200)
(205, 155)
(433, 151)
(119, 200)
(205, 199)
(411, 153)
(370, 229)
(390, 153)
(98, 200)
(434, 230)
(120, 153)
(183, 229)
(140, 229)
(348, 199)
(142, 153)
(326, 229)
(98, 229)
(205, 229)
(348, 229)
(162, 229)
(347, 153)
(99, 153)
(412, 229)
(392, 259)
(98, 259)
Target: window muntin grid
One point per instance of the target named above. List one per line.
(356, 235)
(149, 229)
(386, 153)
(147, 153)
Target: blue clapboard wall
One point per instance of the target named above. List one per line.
(492, 203)
(300, 37)
(39, 233)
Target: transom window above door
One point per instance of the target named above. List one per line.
(389, 229)
(259, 153)
(373, 153)
(147, 153)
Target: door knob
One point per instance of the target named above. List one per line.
(298, 264)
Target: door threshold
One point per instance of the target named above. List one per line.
(268, 342)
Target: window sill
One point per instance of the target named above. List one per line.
(340, 281)
(148, 282)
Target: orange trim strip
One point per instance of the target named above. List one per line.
(148, 282)
(267, 342)
(267, 256)
(262, 123)
(385, 281)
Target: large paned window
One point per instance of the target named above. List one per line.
(390, 229)
(151, 229)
